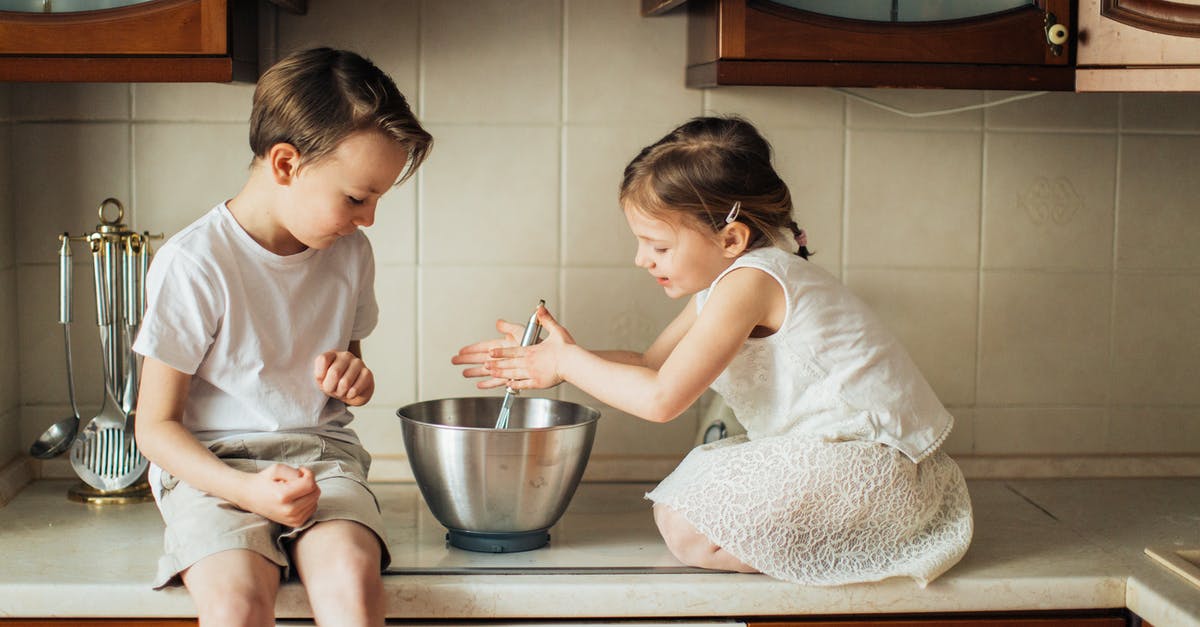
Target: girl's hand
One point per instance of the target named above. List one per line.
(342, 375)
(533, 367)
(479, 352)
(282, 493)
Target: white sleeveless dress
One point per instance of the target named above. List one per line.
(838, 478)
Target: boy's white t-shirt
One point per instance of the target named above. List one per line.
(249, 324)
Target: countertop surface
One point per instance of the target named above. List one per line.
(1039, 545)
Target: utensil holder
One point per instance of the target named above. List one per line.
(112, 473)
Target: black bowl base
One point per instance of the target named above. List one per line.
(503, 542)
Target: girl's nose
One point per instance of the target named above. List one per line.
(641, 260)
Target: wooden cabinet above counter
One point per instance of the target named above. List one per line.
(146, 41)
(1032, 45)
(992, 44)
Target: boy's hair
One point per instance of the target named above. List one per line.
(700, 169)
(313, 99)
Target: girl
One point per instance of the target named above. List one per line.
(838, 478)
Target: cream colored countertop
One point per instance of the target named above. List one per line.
(1039, 545)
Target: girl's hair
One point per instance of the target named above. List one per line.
(313, 99)
(702, 168)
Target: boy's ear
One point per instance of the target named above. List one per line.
(284, 161)
(734, 238)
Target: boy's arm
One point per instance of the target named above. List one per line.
(283, 494)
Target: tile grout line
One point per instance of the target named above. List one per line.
(979, 274)
(1113, 275)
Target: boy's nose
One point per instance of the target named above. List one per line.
(366, 218)
(640, 260)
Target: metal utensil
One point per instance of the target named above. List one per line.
(104, 455)
(532, 329)
(55, 440)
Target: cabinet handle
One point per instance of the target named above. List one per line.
(1056, 34)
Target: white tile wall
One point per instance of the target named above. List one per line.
(913, 199)
(64, 171)
(1040, 259)
(70, 101)
(935, 315)
(491, 61)
(1160, 112)
(1044, 338)
(10, 393)
(1157, 203)
(1045, 208)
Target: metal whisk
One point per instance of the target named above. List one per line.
(532, 329)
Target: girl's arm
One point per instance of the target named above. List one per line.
(480, 352)
(284, 494)
(742, 300)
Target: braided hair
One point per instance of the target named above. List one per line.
(705, 166)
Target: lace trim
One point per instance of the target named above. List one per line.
(937, 444)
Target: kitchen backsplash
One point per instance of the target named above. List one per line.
(10, 391)
(1040, 258)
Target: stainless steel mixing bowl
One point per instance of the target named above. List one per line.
(497, 490)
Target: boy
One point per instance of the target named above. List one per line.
(251, 344)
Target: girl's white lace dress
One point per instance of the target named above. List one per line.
(838, 478)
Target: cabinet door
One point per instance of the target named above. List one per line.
(144, 40)
(984, 44)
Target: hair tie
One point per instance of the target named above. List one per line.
(802, 239)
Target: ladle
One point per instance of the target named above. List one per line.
(532, 329)
(57, 439)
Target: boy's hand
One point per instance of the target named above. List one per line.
(283, 494)
(342, 375)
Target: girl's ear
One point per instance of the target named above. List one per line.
(284, 161)
(734, 238)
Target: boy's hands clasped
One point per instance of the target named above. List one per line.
(344, 376)
(282, 493)
(506, 362)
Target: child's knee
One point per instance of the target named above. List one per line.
(344, 553)
(682, 539)
(233, 596)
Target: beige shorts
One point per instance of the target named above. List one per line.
(200, 525)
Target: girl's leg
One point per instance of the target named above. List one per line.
(233, 589)
(692, 547)
(338, 561)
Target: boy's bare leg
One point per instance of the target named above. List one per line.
(338, 561)
(692, 547)
(234, 589)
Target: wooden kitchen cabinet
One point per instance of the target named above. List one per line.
(1138, 45)
(1080, 619)
(98, 622)
(1015, 45)
(152, 40)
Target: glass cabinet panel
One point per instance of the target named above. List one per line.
(906, 10)
(63, 6)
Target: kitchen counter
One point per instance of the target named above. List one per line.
(1039, 545)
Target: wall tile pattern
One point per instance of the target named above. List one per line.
(10, 396)
(1039, 258)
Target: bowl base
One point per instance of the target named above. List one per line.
(503, 542)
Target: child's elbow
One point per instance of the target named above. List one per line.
(665, 410)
